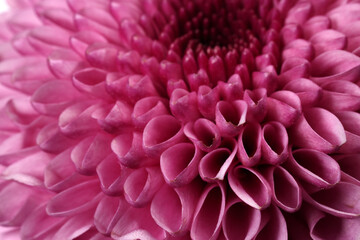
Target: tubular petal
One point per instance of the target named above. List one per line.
(249, 144)
(274, 143)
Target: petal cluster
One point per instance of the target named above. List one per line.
(169, 119)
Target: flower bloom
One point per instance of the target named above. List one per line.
(180, 119)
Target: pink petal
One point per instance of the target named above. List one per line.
(315, 25)
(318, 129)
(349, 165)
(60, 173)
(128, 148)
(215, 164)
(209, 213)
(340, 96)
(299, 48)
(180, 169)
(98, 54)
(286, 192)
(147, 108)
(273, 225)
(204, 134)
(183, 105)
(112, 175)
(207, 100)
(90, 152)
(240, 221)
(257, 104)
(173, 208)
(284, 107)
(233, 89)
(249, 144)
(274, 143)
(314, 167)
(81, 40)
(75, 200)
(250, 186)
(340, 200)
(161, 133)
(230, 116)
(141, 185)
(308, 92)
(198, 79)
(328, 40)
(293, 69)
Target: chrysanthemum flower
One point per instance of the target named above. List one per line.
(180, 119)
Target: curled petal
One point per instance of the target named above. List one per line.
(274, 143)
(230, 116)
(184, 105)
(161, 133)
(112, 175)
(207, 100)
(299, 48)
(286, 192)
(349, 165)
(147, 108)
(318, 129)
(250, 186)
(308, 92)
(61, 174)
(102, 55)
(350, 121)
(72, 120)
(173, 208)
(141, 185)
(198, 79)
(75, 200)
(273, 225)
(53, 97)
(328, 40)
(209, 213)
(284, 107)
(240, 221)
(340, 96)
(215, 164)
(233, 89)
(81, 40)
(249, 144)
(91, 81)
(128, 148)
(90, 152)
(257, 104)
(180, 169)
(314, 167)
(341, 200)
(294, 68)
(315, 25)
(204, 134)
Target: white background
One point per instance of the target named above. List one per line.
(3, 6)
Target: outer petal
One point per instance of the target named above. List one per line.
(209, 213)
(230, 116)
(273, 225)
(274, 143)
(249, 144)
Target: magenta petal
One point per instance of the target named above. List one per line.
(314, 167)
(147, 108)
(249, 144)
(308, 92)
(111, 175)
(60, 173)
(207, 100)
(315, 25)
(250, 186)
(75, 200)
(128, 148)
(161, 133)
(100, 54)
(209, 213)
(141, 185)
(204, 134)
(198, 79)
(180, 169)
(136, 223)
(233, 89)
(183, 105)
(274, 143)
(284, 107)
(81, 40)
(107, 213)
(90, 152)
(240, 221)
(350, 121)
(286, 192)
(293, 69)
(173, 209)
(273, 225)
(340, 200)
(215, 164)
(328, 40)
(298, 48)
(53, 97)
(318, 129)
(340, 96)
(257, 104)
(350, 165)
(230, 116)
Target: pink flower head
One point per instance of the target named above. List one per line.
(180, 119)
